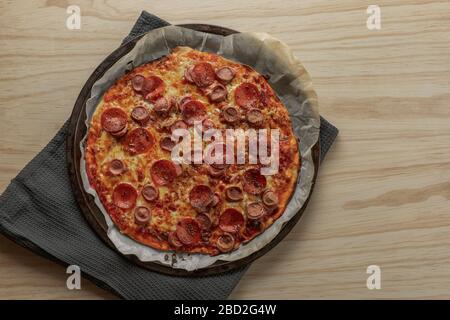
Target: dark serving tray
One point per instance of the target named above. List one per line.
(77, 130)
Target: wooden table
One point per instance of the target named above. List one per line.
(383, 193)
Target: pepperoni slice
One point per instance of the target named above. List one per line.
(255, 117)
(183, 101)
(153, 88)
(217, 93)
(151, 84)
(173, 240)
(163, 172)
(204, 221)
(203, 74)
(113, 119)
(140, 114)
(142, 215)
(270, 199)
(120, 133)
(215, 173)
(234, 194)
(188, 74)
(225, 74)
(255, 210)
(200, 196)
(231, 220)
(116, 167)
(188, 231)
(138, 141)
(205, 126)
(193, 111)
(254, 181)
(166, 143)
(253, 226)
(230, 114)
(124, 196)
(246, 95)
(162, 107)
(180, 124)
(150, 193)
(225, 242)
(137, 82)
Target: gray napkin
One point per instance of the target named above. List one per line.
(39, 212)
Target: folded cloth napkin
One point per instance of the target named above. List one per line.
(39, 212)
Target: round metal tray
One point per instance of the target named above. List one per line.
(77, 130)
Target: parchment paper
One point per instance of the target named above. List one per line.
(288, 78)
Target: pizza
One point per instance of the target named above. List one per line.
(176, 205)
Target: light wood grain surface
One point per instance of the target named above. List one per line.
(383, 194)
